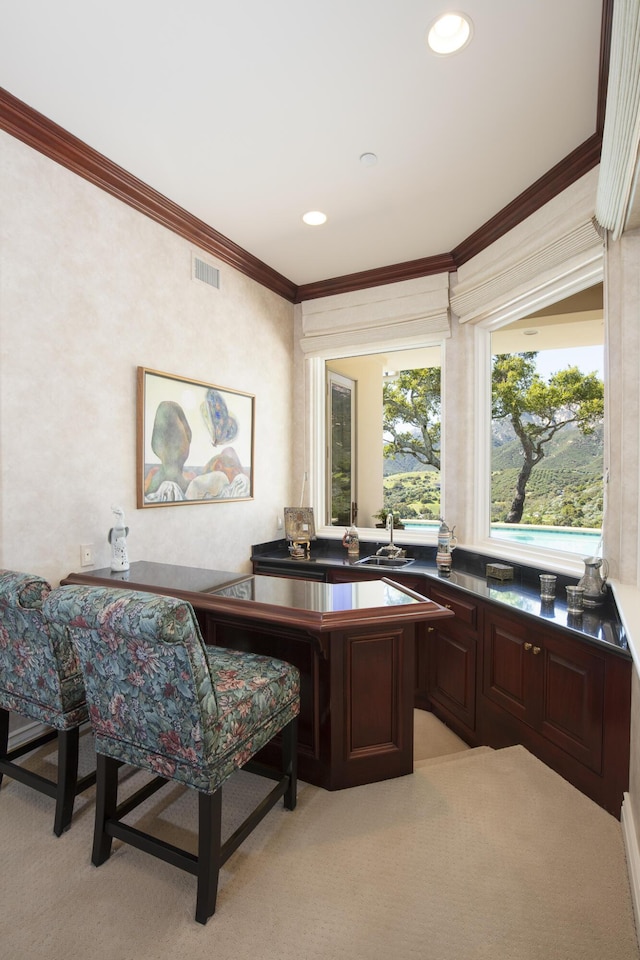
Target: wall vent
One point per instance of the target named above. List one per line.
(205, 272)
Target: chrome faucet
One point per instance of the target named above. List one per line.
(390, 550)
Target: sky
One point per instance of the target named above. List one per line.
(587, 359)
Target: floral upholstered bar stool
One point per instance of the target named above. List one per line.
(40, 678)
(162, 701)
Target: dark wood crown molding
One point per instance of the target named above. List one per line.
(570, 169)
(425, 267)
(605, 59)
(34, 129)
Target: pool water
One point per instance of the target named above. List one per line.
(571, 540)
(584, 542)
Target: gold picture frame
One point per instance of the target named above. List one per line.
(195, 441)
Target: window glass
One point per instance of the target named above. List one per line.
(341, 479)
(547, 391)
(383, 452)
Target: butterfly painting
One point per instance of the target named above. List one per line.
(195, 441)
(222, 426)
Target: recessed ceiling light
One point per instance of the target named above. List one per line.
(368, 159)
(449, 33)
(314, 218)
(530, 333)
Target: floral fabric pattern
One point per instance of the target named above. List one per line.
(40, 675)
(159, 698)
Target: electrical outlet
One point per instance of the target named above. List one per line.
(86, 554)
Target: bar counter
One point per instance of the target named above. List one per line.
(352, 642)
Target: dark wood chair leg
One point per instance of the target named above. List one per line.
(106, 805)
(68, 749)
(4, 736)
(290, 762)
(209, 842)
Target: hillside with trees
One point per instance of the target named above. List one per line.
(547, 443)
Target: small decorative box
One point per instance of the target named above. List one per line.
(499, 571)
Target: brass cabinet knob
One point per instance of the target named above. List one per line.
(430, 629)
(536, 650)
(528, 646)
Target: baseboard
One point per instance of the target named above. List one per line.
(630, 839)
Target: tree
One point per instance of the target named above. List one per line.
(411, 415)
(538, 410)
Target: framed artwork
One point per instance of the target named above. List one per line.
(195, 441)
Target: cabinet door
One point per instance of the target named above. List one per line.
(452, 670)
(509, 669)
(572, 701)
(551, 682)
(451, 650)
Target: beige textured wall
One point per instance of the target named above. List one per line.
(89, 290)
(622, 302)
(622, 517)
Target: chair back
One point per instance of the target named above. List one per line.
(151, 700)
(40, 676)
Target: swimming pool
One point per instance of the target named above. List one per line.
(570, 539)
(584, 542)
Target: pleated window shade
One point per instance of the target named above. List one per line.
(621, 136)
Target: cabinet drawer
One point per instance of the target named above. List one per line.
(465, 611)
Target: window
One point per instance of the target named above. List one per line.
(547, 421)
(382, 439)
(341, 458)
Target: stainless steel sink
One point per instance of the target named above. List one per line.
(375, 561)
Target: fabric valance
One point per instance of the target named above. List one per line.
(409, 313)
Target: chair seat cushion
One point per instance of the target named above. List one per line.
(256, 697)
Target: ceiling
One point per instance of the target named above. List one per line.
(249, 114)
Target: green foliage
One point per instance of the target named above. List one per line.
(568, 498)
(559, 421)
(557, 497)
(537, 411)
(411, 415)
(413, 495)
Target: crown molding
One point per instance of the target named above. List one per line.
(412, 269)
(566, 172)
(579, 162)
(36, 130)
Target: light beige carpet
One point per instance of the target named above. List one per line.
(487, 855)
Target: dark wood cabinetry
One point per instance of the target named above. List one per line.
(353, 643)
(552, 685)
(450, 653)
(565, 700)
(499, 677)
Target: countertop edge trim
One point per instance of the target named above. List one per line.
(627, 598)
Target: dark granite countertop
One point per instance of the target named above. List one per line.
(600, 625)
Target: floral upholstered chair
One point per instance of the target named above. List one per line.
(160, 700)
(40, 678)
